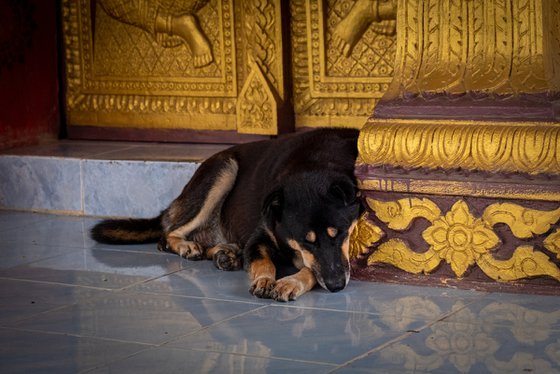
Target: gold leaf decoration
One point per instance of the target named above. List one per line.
(364, 235)
(395, 252)
(525, 263)
(463, 240)
(472, 46)
(524, 222)
(257, 107)
(399, 214)
(552, 243)
(459, 238)
(420, 143)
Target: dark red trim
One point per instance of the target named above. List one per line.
(160, 135)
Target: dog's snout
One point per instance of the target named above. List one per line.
(337, 285)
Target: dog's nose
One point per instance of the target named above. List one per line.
(336, 286)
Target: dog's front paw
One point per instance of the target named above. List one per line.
(262, 287)
(287, 289)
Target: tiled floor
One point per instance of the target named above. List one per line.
(68, 305)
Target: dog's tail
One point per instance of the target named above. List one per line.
(128, 231)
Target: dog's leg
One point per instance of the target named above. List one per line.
(261, 269)
(200, 200)
(293, 286)
(226, 256)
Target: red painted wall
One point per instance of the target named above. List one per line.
(29, 105)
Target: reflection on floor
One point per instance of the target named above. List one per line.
(68, 305)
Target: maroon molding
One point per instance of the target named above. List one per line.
(160, 135)
(542, 107)
(512, 181)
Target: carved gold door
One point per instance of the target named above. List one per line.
(222, 70)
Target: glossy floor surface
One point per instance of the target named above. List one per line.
(69, 305)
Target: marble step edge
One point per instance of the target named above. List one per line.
(89, 186)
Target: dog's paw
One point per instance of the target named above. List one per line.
(287, 289)
(190, 250)
(227, 259)
(262, 287)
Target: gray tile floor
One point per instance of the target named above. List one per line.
(69, 305)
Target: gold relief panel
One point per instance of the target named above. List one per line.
(342, 59)
(168, 63)
(461, 239)
(499, 47)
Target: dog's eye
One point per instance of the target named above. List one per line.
(332, 232)
(311, 237)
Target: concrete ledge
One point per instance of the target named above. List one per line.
(104, 182)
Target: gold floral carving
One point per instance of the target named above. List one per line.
(399, 214)
(364, 235)
(397, 253)
(339, 73)
(552, 243)
(525, 263)
(523, 222)
(462, 240)
(459, 238)
(501, 147)
(256, 106)
(263, 91)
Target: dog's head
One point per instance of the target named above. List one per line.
(313, 219)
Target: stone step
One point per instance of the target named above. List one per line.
(93, 178)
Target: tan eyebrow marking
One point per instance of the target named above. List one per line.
(332, 231)
(311, 237)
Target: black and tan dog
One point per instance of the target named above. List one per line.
(262, 205)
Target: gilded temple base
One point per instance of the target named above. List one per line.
(454, 228)
(459, 165)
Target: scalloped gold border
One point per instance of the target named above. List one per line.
(529, 147)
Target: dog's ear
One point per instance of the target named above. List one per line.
(343, 190)
(272, 207)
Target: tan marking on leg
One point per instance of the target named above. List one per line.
(262, 274)
(221, 187)
(293, 286)
(262, 268)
